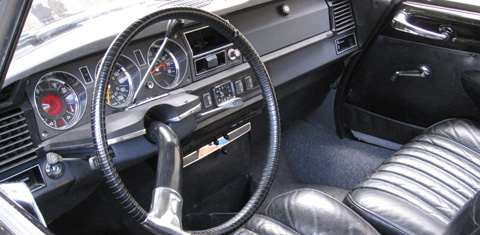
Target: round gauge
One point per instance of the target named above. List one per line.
(169, 68)
(60, 100)
(120, 88)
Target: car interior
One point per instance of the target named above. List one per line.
(240, 117)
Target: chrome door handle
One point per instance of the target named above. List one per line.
(400, 23)
(423, 71)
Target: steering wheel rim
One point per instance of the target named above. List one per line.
(223, 27)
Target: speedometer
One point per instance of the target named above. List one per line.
(60, 100)
(121, 85)
(169, 68)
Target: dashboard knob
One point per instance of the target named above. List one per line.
(233, 54)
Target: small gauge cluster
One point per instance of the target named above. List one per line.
(62, 99)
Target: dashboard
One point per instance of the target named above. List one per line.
(199, 71)
(62, 96)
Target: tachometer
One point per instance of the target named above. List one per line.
(60, 99)
(169, 69)
(120, 87)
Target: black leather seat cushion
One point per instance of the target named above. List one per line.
(305, 211)
(424, 185)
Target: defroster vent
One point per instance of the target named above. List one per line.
(16, 145)
(342, 15)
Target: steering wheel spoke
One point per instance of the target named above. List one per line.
(165, 214)
(166, 208)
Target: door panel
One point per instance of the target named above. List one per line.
(398, 110)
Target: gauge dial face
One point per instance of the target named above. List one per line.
(165, 71)
(120, 88)
(58, 102)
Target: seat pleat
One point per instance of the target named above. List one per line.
(393, 190)
(455, 158)
(445, 163)
(426, 163)
(457, 148)
(462, 131)
(436, 201)
(427, 181)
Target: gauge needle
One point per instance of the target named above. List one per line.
(108, 95)
(157, 68)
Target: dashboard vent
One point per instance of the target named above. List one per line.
(16, 145)
(342, 15)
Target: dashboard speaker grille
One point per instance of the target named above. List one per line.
(16, 146)
(342, 15)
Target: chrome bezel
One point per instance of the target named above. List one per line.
(180, 72)
(77, 89)
(131, 85)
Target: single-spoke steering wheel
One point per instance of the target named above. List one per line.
(165, 212)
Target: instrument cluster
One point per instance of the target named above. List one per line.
(61, 99)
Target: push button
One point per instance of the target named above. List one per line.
(239, 87)
(207, 100)
(248, 83)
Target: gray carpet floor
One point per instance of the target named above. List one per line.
(315, 156)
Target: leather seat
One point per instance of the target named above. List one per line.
(426, 187)
(305, 211)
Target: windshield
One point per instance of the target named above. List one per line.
(55, 28)
(50, 18)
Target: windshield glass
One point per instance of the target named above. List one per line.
(54, 28)
(50, 18)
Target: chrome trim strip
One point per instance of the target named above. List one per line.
(15, 220)
(440, 12)
(126, 137)
(294, 47)
(211, 148)
(189, 112)
(147, 100)
(21, 194)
